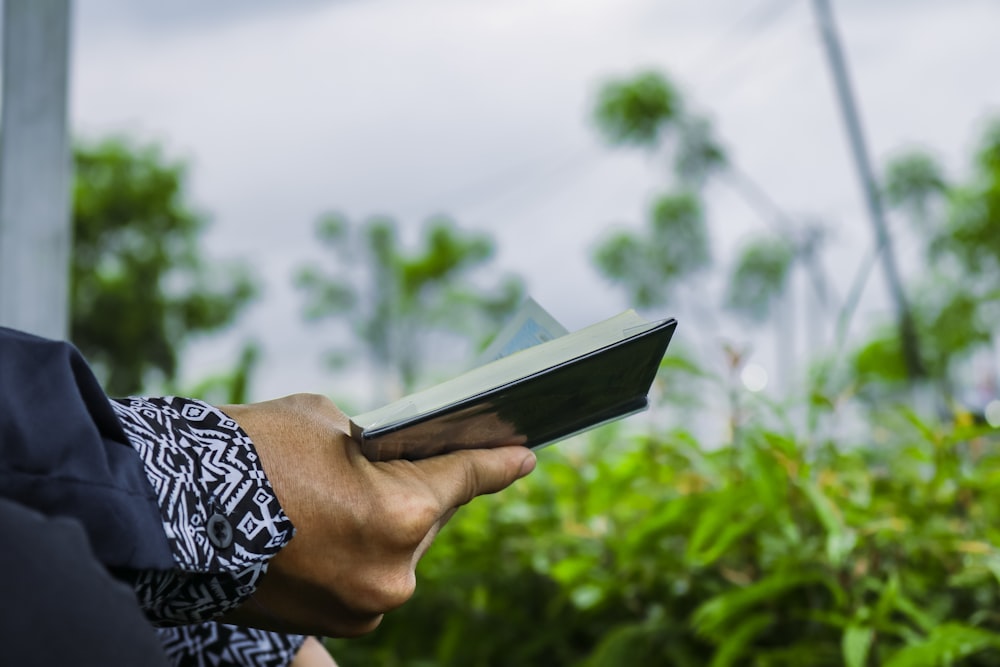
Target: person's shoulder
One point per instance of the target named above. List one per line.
(30, 340)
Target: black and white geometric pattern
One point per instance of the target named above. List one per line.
(219, 512)
(213, 644)
(177, 598)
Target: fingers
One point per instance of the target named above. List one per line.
(458, 477)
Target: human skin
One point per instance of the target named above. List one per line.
(361, 527)
(312, 654)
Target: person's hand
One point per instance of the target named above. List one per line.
(361, 527)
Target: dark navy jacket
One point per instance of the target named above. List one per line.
(63, 453)
(77, 505)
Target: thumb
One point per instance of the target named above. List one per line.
(458, 477)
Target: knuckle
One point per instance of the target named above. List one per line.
(384, 591)
(471, 481)
(357, 627)
(318, 414)
(312, 401)
(395, 590)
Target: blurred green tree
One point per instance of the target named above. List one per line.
(231, 386)
(970, 233)
(392, 298)
(791, 549)
(639, 110)
(141, 286)
(647, 111)
(914, 183)
(759, 276)
(956, 296)
(651, 263)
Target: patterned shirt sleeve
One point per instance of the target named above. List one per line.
(219, 512)
(210, 644)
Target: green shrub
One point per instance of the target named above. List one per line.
(654, 550)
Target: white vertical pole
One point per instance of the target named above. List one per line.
(852, 120)
(35, 168)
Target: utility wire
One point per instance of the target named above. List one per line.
(520, 182)
(780, 223)
(748, 30)
(753, 24)
(532, 180)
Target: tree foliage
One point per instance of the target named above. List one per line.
(759, 276)
(774, 548)
(698, 153)
(647, 111)
(974, 217)
(649, 264)
(913, 181)
(956, 294)
(393, 297)
(141, 285)
(638, 110)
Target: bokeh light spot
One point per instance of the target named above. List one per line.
(992, 413)
(754, 377)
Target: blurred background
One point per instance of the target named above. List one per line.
(351, 196)
(485, 113)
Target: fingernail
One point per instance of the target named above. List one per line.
(527, 465)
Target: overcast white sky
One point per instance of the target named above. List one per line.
(480, 109)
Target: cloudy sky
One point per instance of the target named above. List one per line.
(480, 109)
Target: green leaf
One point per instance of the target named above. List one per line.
(733, 648)
(887, 601)
(726, 520)
(945, 645)
(840, 539)
(715, 617)
(856, 643)
(627, 644)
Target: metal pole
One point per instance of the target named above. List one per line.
(838, 69)
(35, 168)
